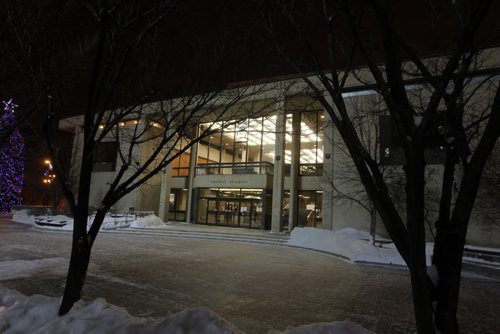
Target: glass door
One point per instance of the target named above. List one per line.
(231, 212)
(246, 214)
(212, 212)
(232, 208)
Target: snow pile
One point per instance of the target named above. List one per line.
(349, 243)
(148, 221)
(335, 327)
(38, 314)
(22, 216)
(114, 221)
(57, 221)
(111, 221)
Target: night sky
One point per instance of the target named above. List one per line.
(200, 45)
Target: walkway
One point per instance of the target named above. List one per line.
(257, 287)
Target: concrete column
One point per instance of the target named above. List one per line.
(328, 170)
(166, 181)
(293, 208)
(279, 167)
(190, 218)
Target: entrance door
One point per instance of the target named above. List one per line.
(245, 211)
(231, 212)
(213, 216)
(246, 214)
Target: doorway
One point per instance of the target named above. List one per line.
(231, 207)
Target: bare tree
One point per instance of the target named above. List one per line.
(369, 34)
(117, 52)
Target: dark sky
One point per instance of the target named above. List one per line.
(200, 45)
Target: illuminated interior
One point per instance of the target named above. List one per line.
(254, 140)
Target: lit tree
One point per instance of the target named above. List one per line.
(11, 159)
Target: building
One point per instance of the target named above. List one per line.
(272, 162)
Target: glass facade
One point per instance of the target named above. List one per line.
(246, 147)
(238, 147)
(311, 143)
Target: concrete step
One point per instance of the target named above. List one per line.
(211, 235)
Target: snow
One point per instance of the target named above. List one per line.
(349, 243)
(26, 268)
(22, 216)
(148, 221)
(38, 314)
(111, 221)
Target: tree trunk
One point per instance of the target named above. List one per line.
(415, 185)
(448, 260)
(78, 264)
(447, 255)
(450, 241)
(421, 301)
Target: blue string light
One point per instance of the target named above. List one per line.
(12, 151)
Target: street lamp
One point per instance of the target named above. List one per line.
(48, 180)
(48, 174)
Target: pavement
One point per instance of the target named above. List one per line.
(256, 286)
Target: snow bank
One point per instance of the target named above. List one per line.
(148, 221)
(38, 314)
(111, 221)
(350, 243)
(53, 221)
(335, 327)
(22, 216)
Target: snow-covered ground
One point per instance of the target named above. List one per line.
(38, 314)
(351, 244)
(357, 246)
(61, 222)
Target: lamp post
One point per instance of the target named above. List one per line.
(49, 180)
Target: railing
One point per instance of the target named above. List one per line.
(258, 167)
(306, 169)
(311, 169)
